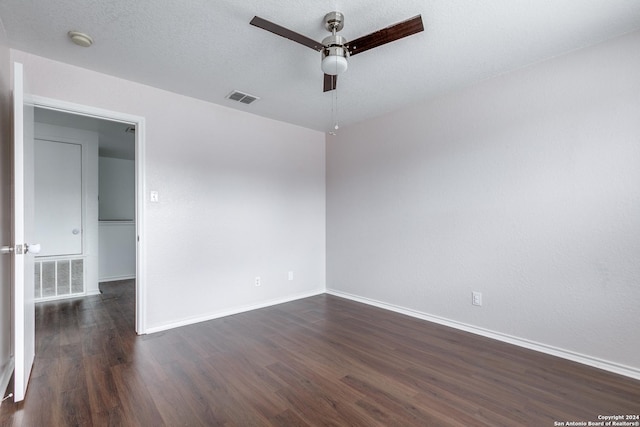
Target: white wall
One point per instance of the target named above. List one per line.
(117, 219)
(5, 211)
(117, 189)
(117, 250)
(240, 196)
(525, 187)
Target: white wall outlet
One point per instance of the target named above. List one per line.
(154, 197)
(291, 275)
(257, 281)
(476, 298)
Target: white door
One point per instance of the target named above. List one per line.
(58, 197)
(23, 271)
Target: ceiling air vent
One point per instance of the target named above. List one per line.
(245, 98)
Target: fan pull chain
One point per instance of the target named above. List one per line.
(335, 119)
(334, 104)
(334, 112)
(335, 101)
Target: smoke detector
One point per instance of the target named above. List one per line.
(81, 39)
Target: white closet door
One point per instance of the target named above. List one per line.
(58, 197)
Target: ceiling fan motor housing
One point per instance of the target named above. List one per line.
(334, 55)
(334, 21)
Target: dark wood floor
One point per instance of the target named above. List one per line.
(317, 361)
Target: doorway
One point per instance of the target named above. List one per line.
(117, 233)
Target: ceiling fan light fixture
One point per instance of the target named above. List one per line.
(334, 55)
(334, 65)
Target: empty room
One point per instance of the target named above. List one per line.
(367, 213)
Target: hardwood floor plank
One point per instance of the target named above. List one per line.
(76, 409)
(287, 418)
(135, 399)
(394, 407)
(207, 394)
(324, 400)
(251, 381)
(113, 417)
(313, 362)
(173, 404)
(101, 387)
(44, 409)
(187, 382)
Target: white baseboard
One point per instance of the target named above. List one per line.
(72, 296)
(232, 311)
(5, 376)
(116, 278)
(616, 368)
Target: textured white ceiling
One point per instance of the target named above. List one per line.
(206, 48)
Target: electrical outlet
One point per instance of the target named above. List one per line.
(476, 298)
(257, 281)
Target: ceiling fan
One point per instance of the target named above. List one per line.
(335, 49)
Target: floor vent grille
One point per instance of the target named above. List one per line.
(57, 278)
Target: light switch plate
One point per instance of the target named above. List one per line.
(154, 197)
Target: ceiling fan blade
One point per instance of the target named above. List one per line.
(386, 35)
(286, 33)
(330, 82)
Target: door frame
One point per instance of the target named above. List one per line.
(140, 184)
